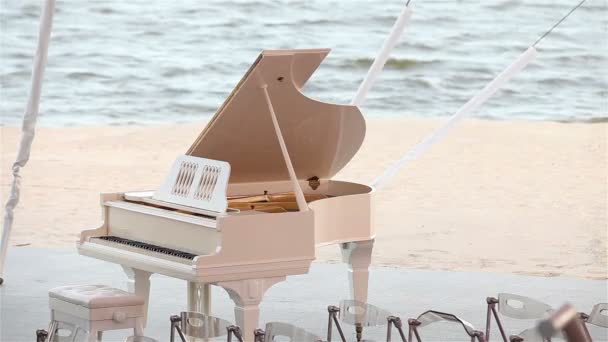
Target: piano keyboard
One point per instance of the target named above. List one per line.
(145, 248)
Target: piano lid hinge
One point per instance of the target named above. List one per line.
(314, 182)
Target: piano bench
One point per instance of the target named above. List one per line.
(94, 309)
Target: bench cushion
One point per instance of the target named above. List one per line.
(95, 296)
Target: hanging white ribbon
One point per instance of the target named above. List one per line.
(473, 104)
(28, 126)
(378, 64)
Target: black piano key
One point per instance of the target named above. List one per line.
(149, 247)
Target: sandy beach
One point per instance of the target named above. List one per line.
(516, 197)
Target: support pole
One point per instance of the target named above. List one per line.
(29, 124)
(378, 64)
(473, 104)
(518, 65)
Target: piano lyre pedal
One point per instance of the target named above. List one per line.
(253, 196)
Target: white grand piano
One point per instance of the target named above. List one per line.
(251, 199)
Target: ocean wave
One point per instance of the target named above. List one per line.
(600, 119)
(159, 51)
(151, 33)
(104, 10)
(84, 75)
(392, 63)
(599, 59)
(17, 74)
(176, 71)
(558, 81)
(174, 91)
(503, 5)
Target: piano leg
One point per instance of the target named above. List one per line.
(358, 256)
(199, 298)
(247, 295)
(139, 283)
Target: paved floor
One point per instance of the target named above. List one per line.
(301, 300)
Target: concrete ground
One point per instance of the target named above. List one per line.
(301, 300)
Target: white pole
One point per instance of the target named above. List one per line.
(29, 124)
(378, 64)
(473, 104)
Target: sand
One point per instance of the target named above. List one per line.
(499, 196)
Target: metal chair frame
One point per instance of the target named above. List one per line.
(52, 335)
(369, 317)
(140, 339)
(398, 324)
(596, 316)
(333, 319)
(275, 329)
(415, 323)
(235, 331)
(502, 299)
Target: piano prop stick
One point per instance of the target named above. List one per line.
(389, 44)
(29, 124)
(300, 199)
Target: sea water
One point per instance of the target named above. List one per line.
(139, 62)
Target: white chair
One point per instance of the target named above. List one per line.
(195, 325)
(355, 313)
(516, 307)
(95, 309)
(279, 331)
(140, 339)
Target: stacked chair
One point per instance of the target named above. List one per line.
(73, 315)
(284, 331)
(516, 307)
(598, 315)
(140, 339)
(524, 308)
(357, 314)
(194, 325)
(429, 317)
(274, 330)
(366, 315)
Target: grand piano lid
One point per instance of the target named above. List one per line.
(321, 137)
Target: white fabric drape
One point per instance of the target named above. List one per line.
(29, 124)
(378, 64)
(473, 104)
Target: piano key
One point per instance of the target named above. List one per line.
(145, 248)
